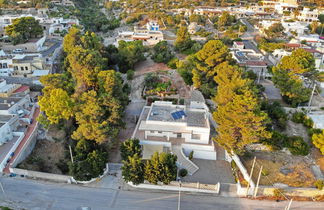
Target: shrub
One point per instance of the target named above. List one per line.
(319, 184)
(130, 74)
(278, 193)
(183, 172)
(297, 146)
(265, 172)
(191, 155)
(181, 101)
(277, 140)
(172, 64)
(298, 117)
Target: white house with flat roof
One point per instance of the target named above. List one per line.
(180, 129)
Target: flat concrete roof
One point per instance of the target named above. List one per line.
(6, 147)
(162, 112)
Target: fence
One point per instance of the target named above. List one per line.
(288, 191)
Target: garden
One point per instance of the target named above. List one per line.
(158, 84)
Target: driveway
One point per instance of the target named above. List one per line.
(211, 172)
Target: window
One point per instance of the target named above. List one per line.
(5, 66)
(22, 68)
(179, 135)
(15, 68)
(26, 68)
(195, 136)
(159, 131)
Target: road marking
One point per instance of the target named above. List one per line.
(159, 198)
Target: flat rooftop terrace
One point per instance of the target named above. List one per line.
(195, 118)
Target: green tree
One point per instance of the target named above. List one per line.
(274, 30)
(57, 105)
(318, 141)
(161, 168)
(213, 53)
(287, 76)
(129, 148)
(133, 169)
(130, 53)
(225, 19)
(240, 121)
(26, 27)
(183, 41)
(89, 161)
(162, 52)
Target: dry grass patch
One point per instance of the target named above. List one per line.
(290, 171)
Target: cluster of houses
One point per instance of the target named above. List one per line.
(23, 65)
(17, 113)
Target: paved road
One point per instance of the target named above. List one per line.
(50, 50)
(36, 195)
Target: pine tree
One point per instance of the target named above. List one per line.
(133, 169)
(129, 148)
(240, 121)
(161, 168)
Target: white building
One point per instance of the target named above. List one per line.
(179, 129)
(150, 34)
(308, 15)
(248, 57)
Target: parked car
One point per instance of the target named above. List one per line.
(17, 50)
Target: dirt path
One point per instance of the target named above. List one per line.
(149, 66)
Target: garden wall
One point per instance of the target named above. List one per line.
(289, 191)
(41, 175)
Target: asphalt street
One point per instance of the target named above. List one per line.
(38, 195)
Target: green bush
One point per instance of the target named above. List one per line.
(297, 146)
(191, 155)
(265, 172)
(181, 101)
(172, 64)
(278, 193)
(319, 184)
(298, 117)
(130, 74)
(183, 172)
(277, 140)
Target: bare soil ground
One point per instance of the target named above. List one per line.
(280, 167)
(45, 156)
(149, 66)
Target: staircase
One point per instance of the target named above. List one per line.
(183, 161)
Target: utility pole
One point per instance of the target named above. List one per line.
(289, 204)
(257, 185)
(311, 98)
(248, 185)
(71, 154)
(179, 195)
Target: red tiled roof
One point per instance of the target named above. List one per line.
(293, 45)
(312, 50)
(21, 89)
(239, 43)
(256, 63)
